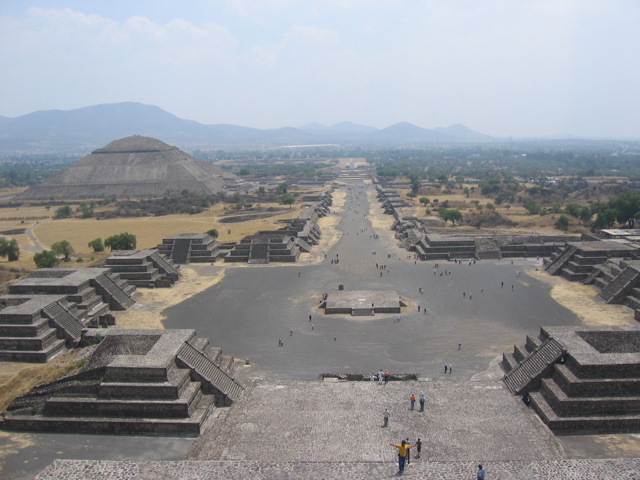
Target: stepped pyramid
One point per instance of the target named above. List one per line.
(136, 167)
(134, 382)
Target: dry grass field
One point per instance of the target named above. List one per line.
(525, 222)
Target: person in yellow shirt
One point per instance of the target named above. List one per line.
(403, 450)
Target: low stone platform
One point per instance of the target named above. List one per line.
(363, 302)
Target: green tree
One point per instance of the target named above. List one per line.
(63, 248)
(46, 259)
(261, 192)
(585, 214)
(562, 223)
(13, 250)
(282, 188)
(213, 232)
(452, 215)
(85, 209)
(626, 206)
(424, 200)
(531, 206)
(605, 219)
(97, 245)
(288, 199)
(63, 212)
(466, 191)
(9, 249)
(121, 241)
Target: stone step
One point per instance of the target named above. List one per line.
(33, 356)
(165, 426)
(35, 329)
(92, 406)
(178, 379)
(566, 406)
(601, 423)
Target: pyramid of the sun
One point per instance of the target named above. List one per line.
(136, 167)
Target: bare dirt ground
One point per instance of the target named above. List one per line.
(18, 378)
(582, 300)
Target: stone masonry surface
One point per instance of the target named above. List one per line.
(619, 469)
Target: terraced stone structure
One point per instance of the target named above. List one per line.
(286, 244)
(267, 247)
(144, 268)
(577, 261)
(134, 382)
(47, 311)
(580, 378)
(415, 237)
(185, 248)
(134, 166)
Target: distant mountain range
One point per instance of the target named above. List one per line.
(85, 129)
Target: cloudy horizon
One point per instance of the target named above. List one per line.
(524, 69)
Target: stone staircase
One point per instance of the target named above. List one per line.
(561, 260)
(64, 321)
(180, 252)
(259, 253)
(162, 264)
(526, 376)
(218, 380)
(620, 286)
(109, 289)
(487, 248)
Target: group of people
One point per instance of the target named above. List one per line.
(421, 399)
(404, 453)
(382, 377)
(404, 456)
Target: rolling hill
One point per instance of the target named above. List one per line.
(84, 129)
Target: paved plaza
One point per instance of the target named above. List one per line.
(288, 425)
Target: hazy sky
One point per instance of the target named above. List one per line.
(502, 67)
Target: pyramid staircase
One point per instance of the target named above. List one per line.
(620, 286)
(527, 374)
(561, 260)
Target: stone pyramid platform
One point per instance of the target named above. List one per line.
(144, 268)
(134, 382)
(47, 311)
(580, 378)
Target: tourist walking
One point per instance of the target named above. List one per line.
(403, 448)
(446, 367)
(385, 417)
(380, 377)
(412, 399)
(422, 399)
(418, 448)
(386, 377)
(481, 473)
